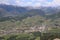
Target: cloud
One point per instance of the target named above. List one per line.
(23, 2)
(17, 2)
(53, 3)
(4, 2)
(32, 2)
(56, 2)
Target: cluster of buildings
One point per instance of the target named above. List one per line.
(25, 30)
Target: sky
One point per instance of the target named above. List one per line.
(35, 3)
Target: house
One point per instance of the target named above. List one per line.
(37, 28)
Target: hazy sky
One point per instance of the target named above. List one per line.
(35, 3)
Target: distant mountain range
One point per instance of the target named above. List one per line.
(10, 11)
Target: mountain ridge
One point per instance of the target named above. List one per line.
(9, 11)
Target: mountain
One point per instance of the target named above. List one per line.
(8, 12)
(12, 10)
